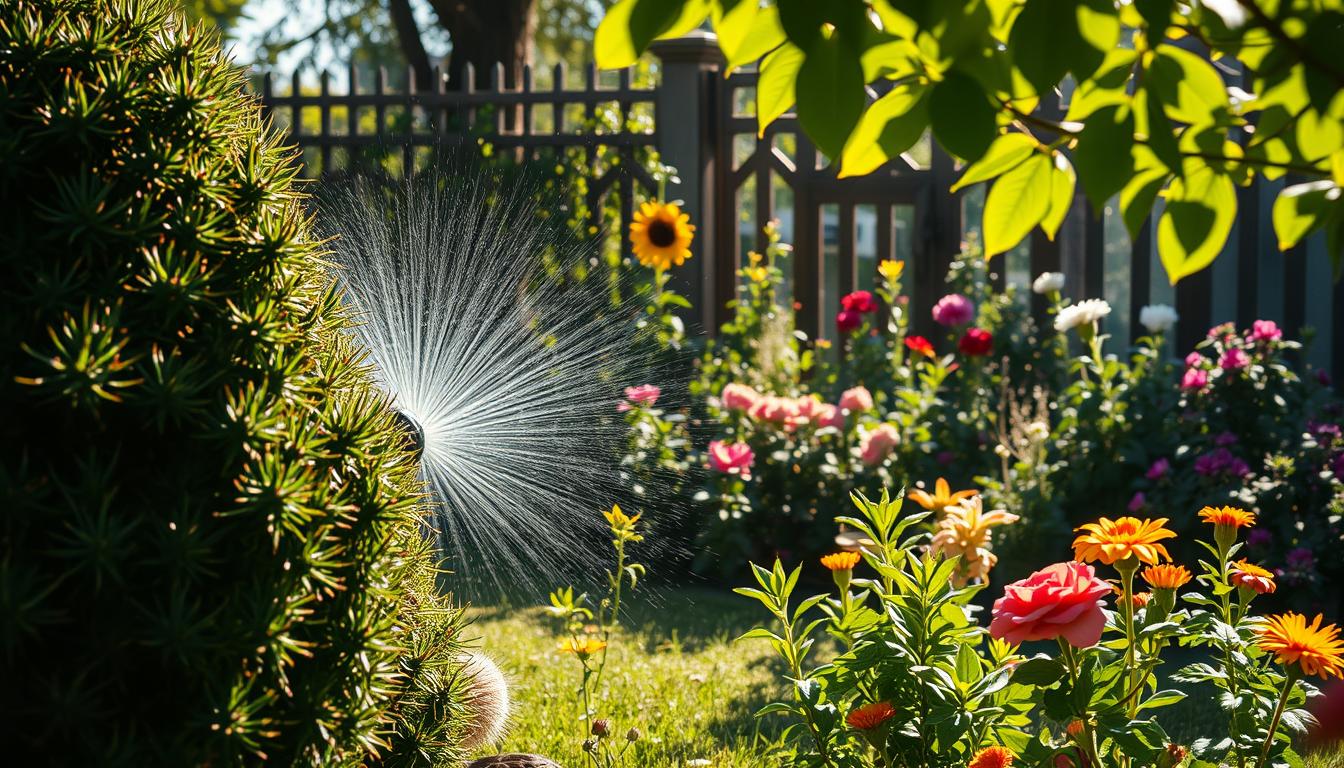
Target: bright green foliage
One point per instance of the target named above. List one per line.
(1169, 97)
(211, 550)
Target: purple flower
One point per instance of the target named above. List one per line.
(1324, 432)
(945, 457)
(1220, 463)
(1225, 439)
(1195, 378)
(1265, 330)
(1137, 502)
(1234, 360)
(1301, 559)
(1158, 469)
(953, 309)
(1323, 377)
(1338, 466)
(1259, 537)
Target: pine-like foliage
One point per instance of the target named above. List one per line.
(210, 552)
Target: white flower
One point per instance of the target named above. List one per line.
(1002, 451)
(1084, 312)
(1047, 282)
(1038, 430)
(1158, 317)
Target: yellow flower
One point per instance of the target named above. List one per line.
(1113, 541)
(583, 648)
(992, 757)
(1166, 576)
(1229, 516)
(941, 498)
(661, 235)
(964, 532)
(841, 561)
(756, 274)
(622, 525)
(754, 258)
(1315, 648)
(890, 269)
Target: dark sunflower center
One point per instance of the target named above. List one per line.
(662, 233)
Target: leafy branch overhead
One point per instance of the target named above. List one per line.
(1182, 101)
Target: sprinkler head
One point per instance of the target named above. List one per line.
(414, 433)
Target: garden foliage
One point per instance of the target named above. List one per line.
(1178, 98)
(211, 551)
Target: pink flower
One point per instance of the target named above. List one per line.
(1234, 360)
(1194, 360)
(1195, 378)
(643, 395)
(739, 397)
(731, 458)
(1137, 502)
(856, 400)
(1063, 599)
(847, 320)
(1265, 330)
(807, 408)
(953, 309)
(977, 342)
(780, 411)
(878, 444)
(859, 301)
(1158, 469)
(830, 416)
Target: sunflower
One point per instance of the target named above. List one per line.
(841, 561)
(992, 757)
(870, 716)
(1315, 648)
(1113, 541)
(1251, 576)
(1227, 516)
(661, 235)
(1166, 576)
(941, 498)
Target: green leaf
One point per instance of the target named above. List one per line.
(1196, 222)
(1157, 13)
(1062, 184)
(1137, 196)
(890, 126)
(1035, 43)
(1098, 35)
(630, 25)
(1016, 203)
(1104, 153)
(775, 87)
(1318, 136)
(1162, 699)
(1301, 209)
(830, 94)
(1107, 86)
(962, 118)
(1005, 153)
(746, 31)
(1187, 84)
(1150, 122)
(1039, 670)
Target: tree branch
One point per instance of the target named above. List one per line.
(412, 46)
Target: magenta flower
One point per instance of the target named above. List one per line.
(1225, 439)
(1195, 378)
(953, 309)
(731, 458)
(642, 395)
(1259, 537)
(1137, 502)
(1265, 330)
(1234, 360)
(1221, 463)
(847, 321)
(1158, 469)
(1194, 360)
(859, 301)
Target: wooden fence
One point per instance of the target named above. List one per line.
(732, 183)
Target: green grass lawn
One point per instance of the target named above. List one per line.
(679, 677)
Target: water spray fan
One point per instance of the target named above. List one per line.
(505, 378)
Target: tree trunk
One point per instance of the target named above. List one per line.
(412, 46)
(486, 32)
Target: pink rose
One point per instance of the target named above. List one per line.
(1194, 360)
(1234, 360)
(739, 397)
(1195, 378)
(731, 458)
(847, 320)
(1265, 330)
(780, 411)
(856, 400)
(878, 444)
(643, 395)
(1063, 599)
(830, 416)
(859, 301)
(953, 309)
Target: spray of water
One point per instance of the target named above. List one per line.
(512, 378)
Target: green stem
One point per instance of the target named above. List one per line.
(1089, 744)
(1278, 714)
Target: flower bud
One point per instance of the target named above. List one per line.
(601, 728)
(1171, 756)
(633, 734)
(590, 745)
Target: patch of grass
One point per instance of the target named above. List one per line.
(676, 675)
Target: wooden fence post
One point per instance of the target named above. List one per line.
(685, 127)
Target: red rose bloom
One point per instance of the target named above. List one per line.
(976, 342)
(859, 301)
(920, 345)
(848, 320)
(1060, 600)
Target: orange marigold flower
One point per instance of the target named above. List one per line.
(1112, 541)
(1166, 576)
(1234, 517)
(992, 757)
(870, 716)
(941, 498)
(841, 561)
(1074, 727)
(1253, 577)
(1315, 648)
